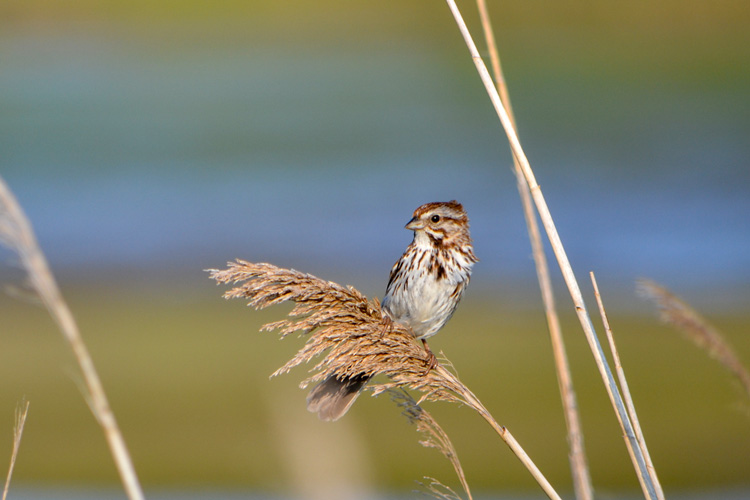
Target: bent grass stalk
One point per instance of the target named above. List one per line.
(353, 336)
(578, 464)
(559, 250)
(17, 234)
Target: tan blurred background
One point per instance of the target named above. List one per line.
(149, 141)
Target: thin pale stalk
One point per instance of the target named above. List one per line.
(497, 69)
(21, 237)
(21, 413)
(556, 243)
(471, 400)
(626, 391)
(578, 464)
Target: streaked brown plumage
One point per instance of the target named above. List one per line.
(423, 291)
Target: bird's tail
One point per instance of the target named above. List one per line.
(332, 398)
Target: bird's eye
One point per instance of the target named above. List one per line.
(435, 218)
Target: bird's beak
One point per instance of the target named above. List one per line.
(414, 224)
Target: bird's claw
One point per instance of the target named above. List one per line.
(432, 361)
(387, 325)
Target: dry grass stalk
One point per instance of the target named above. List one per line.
(17, 234)
(352, 336)
(628, 398)
(22, 412)
(579, 467)
(435, 436)
(695, 327)
(556, 243)
(439, 490)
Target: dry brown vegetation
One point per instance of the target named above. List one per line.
(350, 336)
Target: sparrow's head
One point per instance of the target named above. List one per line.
(442, 221)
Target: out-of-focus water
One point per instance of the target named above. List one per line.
(130, 161)
(147, 163)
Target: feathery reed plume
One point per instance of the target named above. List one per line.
(345, 329)
(354, 337)
(695, 327)
(22, 412)
(16, 233)
(435, 436)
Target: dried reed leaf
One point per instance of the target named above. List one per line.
(690, 323)
(435, 436)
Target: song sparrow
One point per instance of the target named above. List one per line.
(423, 291)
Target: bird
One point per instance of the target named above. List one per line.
(424, 288)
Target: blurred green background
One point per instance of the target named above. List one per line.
(149, 141)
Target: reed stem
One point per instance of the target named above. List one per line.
(579, 467)
(472, 401)
(557, 247)
(626, 394)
